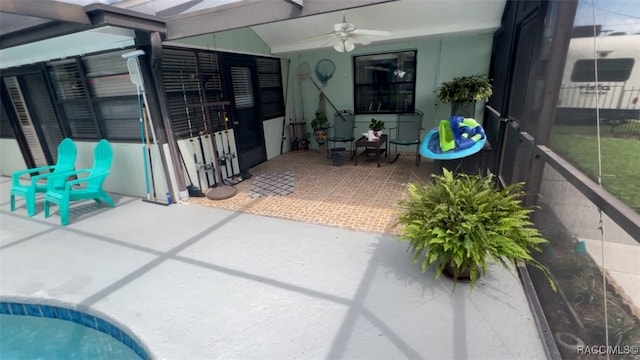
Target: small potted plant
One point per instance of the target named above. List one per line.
(320, 124)
(463, 92)
(461, 223)
(320, 121)
(377, 126)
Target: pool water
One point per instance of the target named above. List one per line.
(30, 337)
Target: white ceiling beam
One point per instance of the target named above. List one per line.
(47, 9)
(99, 14)
(253, 12)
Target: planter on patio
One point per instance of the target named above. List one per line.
(464, 109)
(463, 92)
(320, 135)
(320, 129)
(463, 222)
(462, 276)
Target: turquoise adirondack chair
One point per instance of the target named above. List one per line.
(67, 152)
(102, 158)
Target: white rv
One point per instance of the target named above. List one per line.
(614, 89)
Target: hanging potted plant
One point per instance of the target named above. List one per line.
(320, 126)
(463, 92)
(461, 223)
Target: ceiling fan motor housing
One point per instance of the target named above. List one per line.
(344, 27)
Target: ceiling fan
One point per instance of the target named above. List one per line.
(345, 35)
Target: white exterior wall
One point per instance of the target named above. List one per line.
(11, 159)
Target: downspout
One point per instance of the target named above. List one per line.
(156, 71)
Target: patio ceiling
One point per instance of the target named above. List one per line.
(404, 19)
(28, 27)
(20, 20)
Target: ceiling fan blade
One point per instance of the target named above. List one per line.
(331, 41)
(319, 37)
(370, 32)
(359, 39)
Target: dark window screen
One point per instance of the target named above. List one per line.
(608, 70)
(270, 81)
(385, 83)
(6, 130)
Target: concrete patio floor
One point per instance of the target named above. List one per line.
(194, 282)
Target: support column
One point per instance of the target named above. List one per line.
(156, 71)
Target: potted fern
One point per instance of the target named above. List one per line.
(461, 223)
(463, 92)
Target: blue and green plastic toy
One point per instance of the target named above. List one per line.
(453, 139)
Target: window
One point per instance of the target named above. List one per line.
(73, 99)
(270, 81)
(96, 98)
(6, 129)
(192, 84)
(242, 89)
(114, 96)
(608, 70)
(385, 83)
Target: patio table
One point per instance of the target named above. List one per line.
(372, 147)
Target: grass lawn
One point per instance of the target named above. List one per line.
(620, 160)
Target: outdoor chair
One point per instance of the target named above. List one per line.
(67, 152)
(102, 158)
(342, 129)
(407, 133)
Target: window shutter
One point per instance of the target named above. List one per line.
(191, 80)
(24, 118)
(181, 87)
(212, 86)
(114, 95)
(43, 112)
(242, 89)
(270, 81)
(210, 70)
(73, 98)
(67, 80)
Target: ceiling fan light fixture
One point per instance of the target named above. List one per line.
(348, 45)
(343, 45)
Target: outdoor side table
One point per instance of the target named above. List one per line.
(370, 147)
